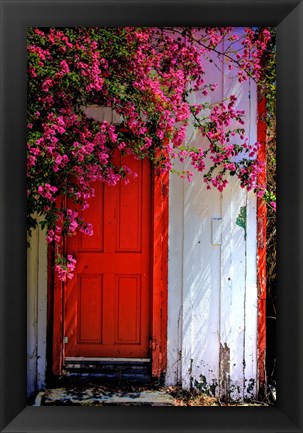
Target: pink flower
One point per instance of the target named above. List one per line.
(64, 67)
(47, 84)
(50, 236)
(273, 205)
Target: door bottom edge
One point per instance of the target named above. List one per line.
(103, 359)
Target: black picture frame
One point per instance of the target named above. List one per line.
(16, 16)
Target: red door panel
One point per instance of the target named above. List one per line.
(107, 303)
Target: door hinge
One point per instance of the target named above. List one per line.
(65, 340)
(152, 343)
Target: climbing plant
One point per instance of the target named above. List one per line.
(267, 85)
(148, 77)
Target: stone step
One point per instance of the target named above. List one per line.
(91, 397)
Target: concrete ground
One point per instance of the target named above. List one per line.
(101, 396)
(92, 394)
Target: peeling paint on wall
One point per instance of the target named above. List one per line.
(203, 386)
(250, 387)
(224, 372)
(241, 219)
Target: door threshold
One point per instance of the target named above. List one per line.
(93, 359)
(136, 370)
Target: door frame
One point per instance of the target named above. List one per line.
(159, 282)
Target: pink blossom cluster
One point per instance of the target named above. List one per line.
(243, 53)
(65, 267)
(47, 191)
(247, 61)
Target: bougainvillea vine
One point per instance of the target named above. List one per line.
(147, 76)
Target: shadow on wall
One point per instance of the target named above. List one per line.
(214, 289)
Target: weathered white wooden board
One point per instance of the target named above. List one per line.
(215, 278)
(36, 311)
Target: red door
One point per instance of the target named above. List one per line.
(107, 303)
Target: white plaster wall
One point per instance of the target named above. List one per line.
(212, 288)
(36, 311)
